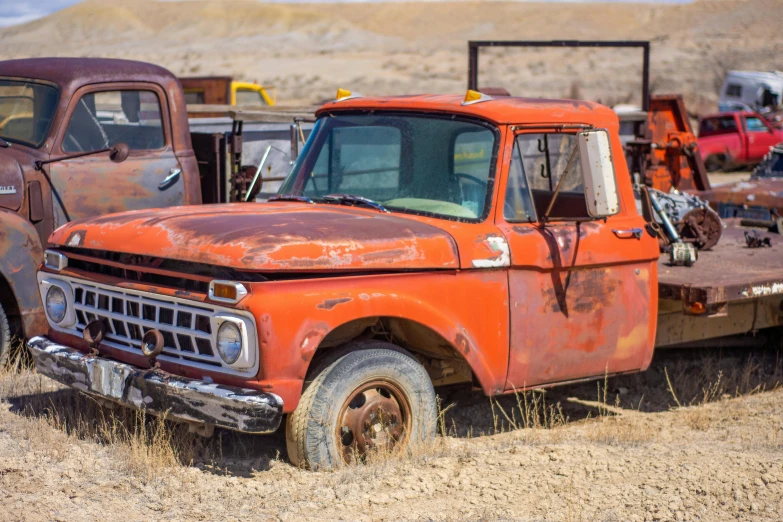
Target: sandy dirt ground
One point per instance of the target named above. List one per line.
(308, 50)
(707, 447)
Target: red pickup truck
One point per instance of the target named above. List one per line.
(735, 139)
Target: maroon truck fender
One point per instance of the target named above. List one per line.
(21, 254)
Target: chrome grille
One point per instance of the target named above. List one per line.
(188, 329)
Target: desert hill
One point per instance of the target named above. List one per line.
(307, 50)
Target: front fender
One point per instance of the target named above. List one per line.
(469, 309)
(21, 254)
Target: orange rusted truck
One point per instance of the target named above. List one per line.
(418, 241)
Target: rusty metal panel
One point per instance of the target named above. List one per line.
(271, 237)
(728, 273)
(673, 160)
(11, 183)
(742, 317)
(94, 186)
(568, 325)
(215, 89)
(20, 256)
(582, 302)
(762, 193)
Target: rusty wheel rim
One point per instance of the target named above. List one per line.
(376, 416)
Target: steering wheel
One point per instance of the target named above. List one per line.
(470, 177)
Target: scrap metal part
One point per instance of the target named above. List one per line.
(692, 217)
(682, 254)
(159, 393)
(754, 240)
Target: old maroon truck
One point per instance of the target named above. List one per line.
(418, 241)
(60, 118)
(735, 139)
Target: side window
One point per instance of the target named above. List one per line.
(194, 97)
(103, 119)
(249, 98)
(734, 90)
(754, 124)
(721, 125)
(538, 164)
(518, 204)
(472, 165)
(356, 160)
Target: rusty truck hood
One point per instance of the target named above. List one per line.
(269, 237)
(762, 192)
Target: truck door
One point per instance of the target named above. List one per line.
(760, 137)
(151, 177)
(582, 292)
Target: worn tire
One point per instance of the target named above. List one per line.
(714, 163)
(311, 429)
(5, 337)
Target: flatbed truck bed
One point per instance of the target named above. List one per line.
(731, 290)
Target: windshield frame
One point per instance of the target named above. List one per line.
(49, 127)
(293, 183)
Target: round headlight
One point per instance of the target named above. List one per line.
(229, 342)
(56, 305)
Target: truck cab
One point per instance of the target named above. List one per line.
(418, 241)
(735, 139)
(58, 119)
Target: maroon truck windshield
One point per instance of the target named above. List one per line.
(26, 111)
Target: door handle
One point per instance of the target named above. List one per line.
(631, 233)
(174, 173)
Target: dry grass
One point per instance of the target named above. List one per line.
(146, 446)
(149, 447)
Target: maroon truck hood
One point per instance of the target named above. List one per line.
(762, 192)
(269, 237)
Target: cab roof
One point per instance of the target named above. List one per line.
(72, 73)
(500, 110)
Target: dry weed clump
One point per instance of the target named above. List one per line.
(694, 384)
(698, 381)
(147, 446)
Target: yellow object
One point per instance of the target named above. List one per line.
(345, 94)
(224, 291)
(472, 97)
(251, 94)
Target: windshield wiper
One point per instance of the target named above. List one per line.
(350, 199)
(4, 143)
(290, 197)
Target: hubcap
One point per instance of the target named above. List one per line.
(375, 416)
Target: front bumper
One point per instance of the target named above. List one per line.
(158, 392)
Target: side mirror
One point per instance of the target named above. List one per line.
(119, 152)
(595, 157)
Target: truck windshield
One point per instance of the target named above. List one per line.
(418, 164)
(26, 111)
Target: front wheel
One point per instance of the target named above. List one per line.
(5, 337)
(374, 396)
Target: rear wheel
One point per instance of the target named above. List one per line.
(371, 396)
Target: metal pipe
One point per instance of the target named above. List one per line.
(667, 225)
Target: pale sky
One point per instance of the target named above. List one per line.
(14, 12)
